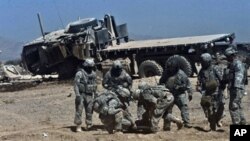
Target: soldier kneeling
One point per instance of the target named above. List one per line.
(157, 102)
(111, 114)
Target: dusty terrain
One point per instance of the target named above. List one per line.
(46, 112)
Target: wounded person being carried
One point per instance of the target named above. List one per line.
(157, 102)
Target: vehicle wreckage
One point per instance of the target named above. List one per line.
(14, 78)
(63, 50)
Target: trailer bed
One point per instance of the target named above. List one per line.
(182, 41)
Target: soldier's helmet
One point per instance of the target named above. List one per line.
(206, 60)
(117, 65)
(231, 50)
(89, 62)
(206, 57)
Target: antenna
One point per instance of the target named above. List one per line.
(41, 26)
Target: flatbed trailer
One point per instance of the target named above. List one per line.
(148, 57)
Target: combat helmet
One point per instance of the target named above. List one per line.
(117, 65)
(206, 60)
(89, 62)
(116, 68)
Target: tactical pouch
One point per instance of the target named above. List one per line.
(206, 101)
(90, 88)
(81, 88)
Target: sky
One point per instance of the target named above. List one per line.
(154, 18)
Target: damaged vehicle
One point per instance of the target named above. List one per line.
(63, 50)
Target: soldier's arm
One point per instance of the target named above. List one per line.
(113, 107)
(129, 81)
(199, 85)
(239, 75)
(189, 86)
(219, 74)
(183, 83)
(105, 80)
(77, 83)
(149, 97)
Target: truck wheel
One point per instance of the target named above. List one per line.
(183, 62)
(150, 68)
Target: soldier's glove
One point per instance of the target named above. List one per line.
(190, 97)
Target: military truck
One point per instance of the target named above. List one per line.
(62, 51)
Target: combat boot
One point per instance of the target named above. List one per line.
(78, 128)
(166, 125)
(179, 124)
(89, 126)
(187, 125)
(207, 126)
(219, 124)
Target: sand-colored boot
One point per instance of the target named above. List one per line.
(78, 128)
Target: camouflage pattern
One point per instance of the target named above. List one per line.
(110, 81)
(157, 102)
(236, 85)
(178, 84)
(85, 90)
(120, 82)
(210, 84)
(111, 113)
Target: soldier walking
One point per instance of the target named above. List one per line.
(157, 101)
(85, 90)
(178, 84)
(210, 85)
(237, 79)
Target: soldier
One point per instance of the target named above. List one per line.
(178, 84)
(117, 76)
(157, 101)
(111, 113)
(118, 80)
(237, 79)
(210, 85)
(85, 90)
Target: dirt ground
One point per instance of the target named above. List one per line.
(46, 113)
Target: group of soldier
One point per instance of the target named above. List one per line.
(156, 102)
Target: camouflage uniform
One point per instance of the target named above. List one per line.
(157, 101)
(85, 90)
(178, 84)
(110, 112)
(237, 79)
(117, 78)
(120, 82)
(211, 86)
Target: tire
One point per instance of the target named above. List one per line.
(150, 68)
(183, 63)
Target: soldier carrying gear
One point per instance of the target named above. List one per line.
(237, 78)
(119, 81)
(157, 101)
(85, 89)
(210, 85)
(111, 113)
(178, 84)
